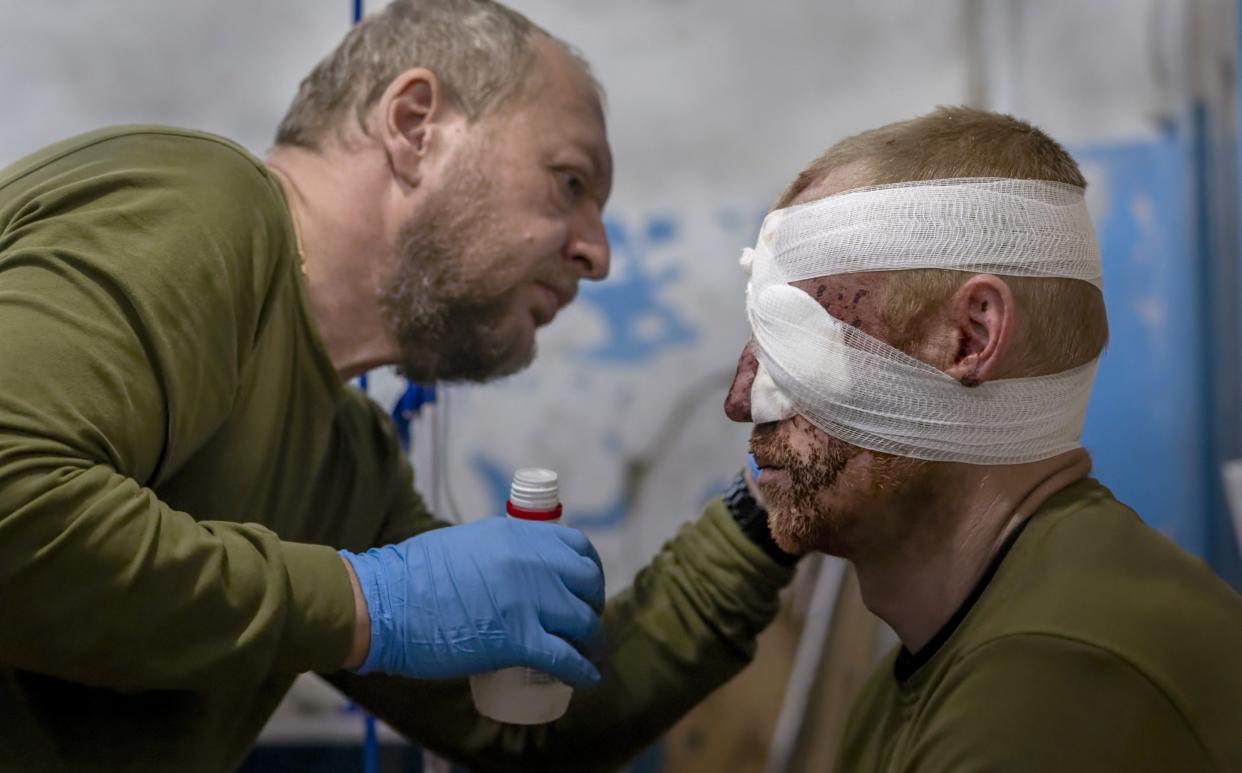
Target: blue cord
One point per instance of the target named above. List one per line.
(370, 746)
(410, 405)
(357, 11)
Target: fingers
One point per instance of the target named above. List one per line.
(558, 658)
(582, 574)
(576, 540)
(571, 619)
(584, 579)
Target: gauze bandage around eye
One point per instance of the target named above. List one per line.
(865, 392)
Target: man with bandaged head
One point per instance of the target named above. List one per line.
(927, 316)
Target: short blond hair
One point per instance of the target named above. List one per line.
(952, 142)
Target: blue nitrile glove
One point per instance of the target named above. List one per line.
(482, 596)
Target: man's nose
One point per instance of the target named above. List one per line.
(737, 402)
(588, 248)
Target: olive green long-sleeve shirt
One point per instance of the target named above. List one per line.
(179, 462)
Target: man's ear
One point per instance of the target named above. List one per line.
(410, 114)
(982, 312)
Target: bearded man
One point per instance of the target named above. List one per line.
(181, 459)
(927, 314)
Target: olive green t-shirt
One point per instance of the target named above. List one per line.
(1096, 646)
(179, 462)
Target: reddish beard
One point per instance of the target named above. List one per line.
(821, 505)
(798, 518)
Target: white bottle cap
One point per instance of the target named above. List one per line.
(535, 488)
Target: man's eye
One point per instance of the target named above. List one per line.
(572, 183)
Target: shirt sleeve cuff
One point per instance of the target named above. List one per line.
(753, 520)
(319, 626)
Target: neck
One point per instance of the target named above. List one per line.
(948, 540)
(339, 239)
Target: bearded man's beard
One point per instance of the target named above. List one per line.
(449, 323)
(795, 516)
(817, 509)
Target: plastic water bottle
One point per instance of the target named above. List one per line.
(524, 696)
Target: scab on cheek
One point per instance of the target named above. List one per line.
(845, 298)
(836, 303)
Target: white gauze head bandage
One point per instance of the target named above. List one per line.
(865, 392)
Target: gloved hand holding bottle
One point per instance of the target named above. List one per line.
(481, 596)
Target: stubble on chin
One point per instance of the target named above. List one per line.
(799, 514)
(451, 324)
(826, 503)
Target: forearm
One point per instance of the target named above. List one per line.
(104, 584)
(686, 626)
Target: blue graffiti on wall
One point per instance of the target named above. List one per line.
(640, 324)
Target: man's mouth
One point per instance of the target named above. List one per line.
(763, 464)
(768, 454)
(557, 297)
(563, 294)
(771, 475)
(765, 467)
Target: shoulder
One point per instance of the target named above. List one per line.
(148, 175)
(1048, 663)
(180, 237)
(1047, 702)
(217, 176)
(1099, 630)
(154, 197)
(1089, 570)
(138, 148)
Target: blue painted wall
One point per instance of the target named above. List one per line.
(1154, 424)
(1144, 423)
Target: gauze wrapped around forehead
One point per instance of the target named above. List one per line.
(865, 392)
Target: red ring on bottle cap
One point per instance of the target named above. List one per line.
(532, 515)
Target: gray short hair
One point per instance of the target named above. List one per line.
(480, 50)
